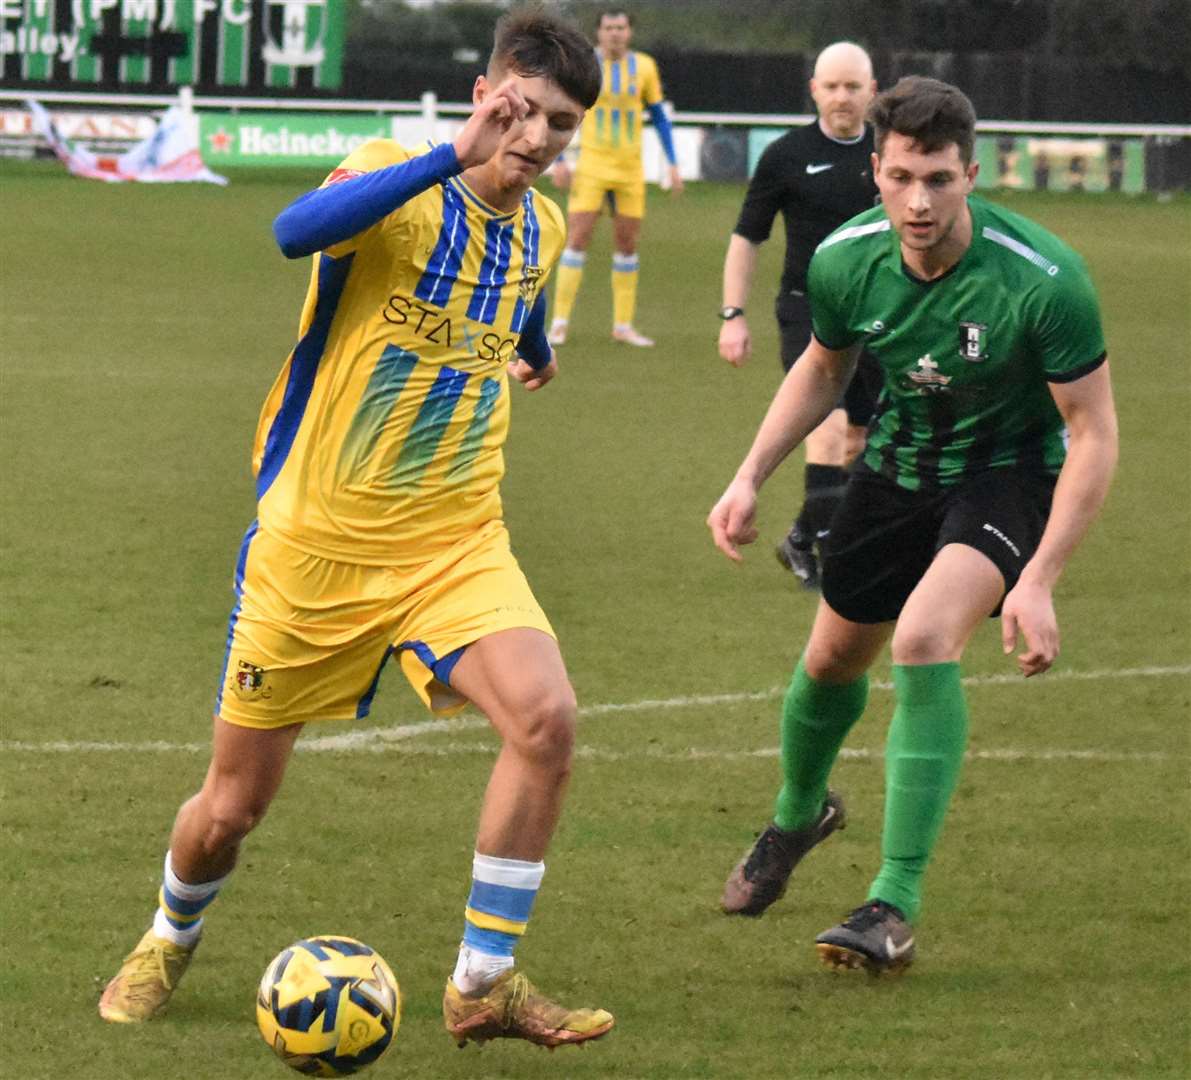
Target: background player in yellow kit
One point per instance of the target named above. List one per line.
(610, 172)
(379, 527)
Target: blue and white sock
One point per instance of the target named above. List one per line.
(180, 907)
(502, 896)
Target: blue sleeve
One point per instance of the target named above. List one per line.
(533, 347)
(329, 215)
(661, 121)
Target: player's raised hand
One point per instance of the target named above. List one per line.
(731, 519)
(481, 135)
(1029, 610)
(530, 378)
(736, 345)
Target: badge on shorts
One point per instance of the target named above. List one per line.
(973, 341)
(248, 682)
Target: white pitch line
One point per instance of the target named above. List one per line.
(593, 753)
(376, 739)
(428, 727)
(354, 739)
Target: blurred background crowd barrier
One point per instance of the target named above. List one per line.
(1073, 94)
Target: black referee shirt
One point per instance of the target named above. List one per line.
(816, 183)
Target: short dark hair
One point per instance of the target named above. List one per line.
(930, 112)
(532, 41)
(612, 12)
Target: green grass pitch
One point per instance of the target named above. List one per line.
(141, 328)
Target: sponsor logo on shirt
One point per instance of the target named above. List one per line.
(431, 325)
(812, 169)
(927, 377)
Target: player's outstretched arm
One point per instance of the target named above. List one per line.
(329, 215)
(806, 395)
(1087, 409)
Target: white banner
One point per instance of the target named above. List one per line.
(169, 155)
(86, 127)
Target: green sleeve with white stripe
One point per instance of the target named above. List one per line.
(1066, 328)
(829, 304)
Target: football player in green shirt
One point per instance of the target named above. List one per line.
(992, 451)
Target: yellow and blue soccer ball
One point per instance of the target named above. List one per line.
(328, 1006)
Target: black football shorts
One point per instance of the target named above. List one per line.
(883, 537)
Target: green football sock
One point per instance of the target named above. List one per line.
(816, 717)
(923, 756)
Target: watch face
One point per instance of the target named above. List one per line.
(730, 312)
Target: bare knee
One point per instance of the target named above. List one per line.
(545, 731)
(832, 661)
(920, 643)
(230, 816)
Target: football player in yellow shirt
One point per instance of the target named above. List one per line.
(610, 173)
(379, 528)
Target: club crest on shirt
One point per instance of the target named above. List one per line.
(527, 289)
(248, 682)
(973, 341)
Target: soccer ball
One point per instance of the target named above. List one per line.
(328, 1006)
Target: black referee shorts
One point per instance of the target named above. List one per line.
(793, 311)
(883, 538)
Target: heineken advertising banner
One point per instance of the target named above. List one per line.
(268, 138)
(159, 44)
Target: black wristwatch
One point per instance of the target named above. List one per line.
(730, 312)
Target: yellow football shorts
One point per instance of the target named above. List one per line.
(309, 637)
(589, 194)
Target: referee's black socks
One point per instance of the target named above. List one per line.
(824, 489)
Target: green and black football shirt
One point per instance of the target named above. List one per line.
(966, 358)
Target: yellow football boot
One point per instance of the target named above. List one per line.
(145, 981)
(513, 1009)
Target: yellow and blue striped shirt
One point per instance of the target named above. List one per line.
(610, 139)
(380, 442)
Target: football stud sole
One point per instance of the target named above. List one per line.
(837, 958)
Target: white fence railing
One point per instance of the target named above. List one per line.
(461, 108)
(236, 131)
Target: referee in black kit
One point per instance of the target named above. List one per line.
(817, 176)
